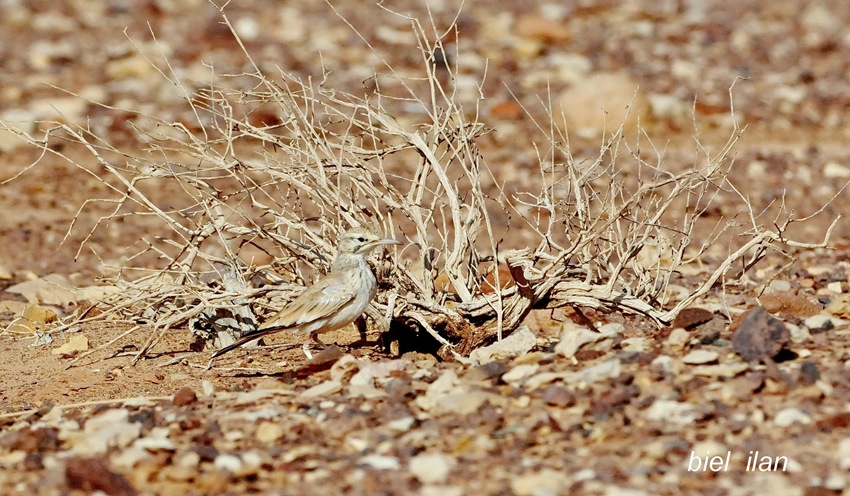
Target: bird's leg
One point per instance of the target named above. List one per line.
(306, 348)
(360, 324)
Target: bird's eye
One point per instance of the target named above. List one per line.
(361, 239)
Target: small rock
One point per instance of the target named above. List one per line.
(39, 315)
(678, 338)
(92, 475)
(836, 287)
(844, 453)
(601, 103)
(53, 289)
(431, 468)
(788, 416)
(437, 490)
(759, 335)
(13, 307)
(268, 432)
(729, 369)
(380, 462)
(636, 344)
(709, 448)
(692, 317)
(403, 424)
(520, 373)
(833, 170)
(570, 67)
(345, 367)
(461, 402)
(822, 323)
(663, 363)
(231, 463)
(809, 373)
(438, 389)
(608, 369)
(110, 428)
(672, 411)
(839, 306)
(207, 387)
(798, 334)
(509, 110)
(542, 29)
(789, 303)
(668, 107)
(779, 286)
(573, 338)
(364, 377)
(75, 344)
(323, 389)
(698, 357)
(329, 355)
(519, 342)
(559, 396)
(185, 396)
(486, 372)
(543, 483)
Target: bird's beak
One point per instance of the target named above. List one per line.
(387, 241)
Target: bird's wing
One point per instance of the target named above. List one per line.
(318, 301)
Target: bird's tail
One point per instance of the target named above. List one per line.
(251, 336)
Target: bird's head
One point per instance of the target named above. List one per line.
(362, 241)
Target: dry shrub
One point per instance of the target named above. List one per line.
(278, 165)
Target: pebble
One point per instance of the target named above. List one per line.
(602, 103)
(788, 416)
(608, 369)
(574, 337)
(323, 389)
(520, 373)
(798, 334)
(636, 344)
(461, 402)
(664, 363)
(247, 28)
(231, 463)
(698, 357)
(518, 343)
(844, 453)
(185, 396)
(431, 468)
(542, 29)
(53, 289)
(269, 431)
(112, 428)
(678, 338)
(555, 395)
(672, 411)
(543, 483)
(835, 287)
(75, 344)
(728, 369)
(380, 462)
(778, 286)
(759, 335)
(822, 323)
(436, 490)
(668, 107)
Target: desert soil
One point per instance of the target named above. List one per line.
(639, 411)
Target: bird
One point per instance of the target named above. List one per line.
(336, 300)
